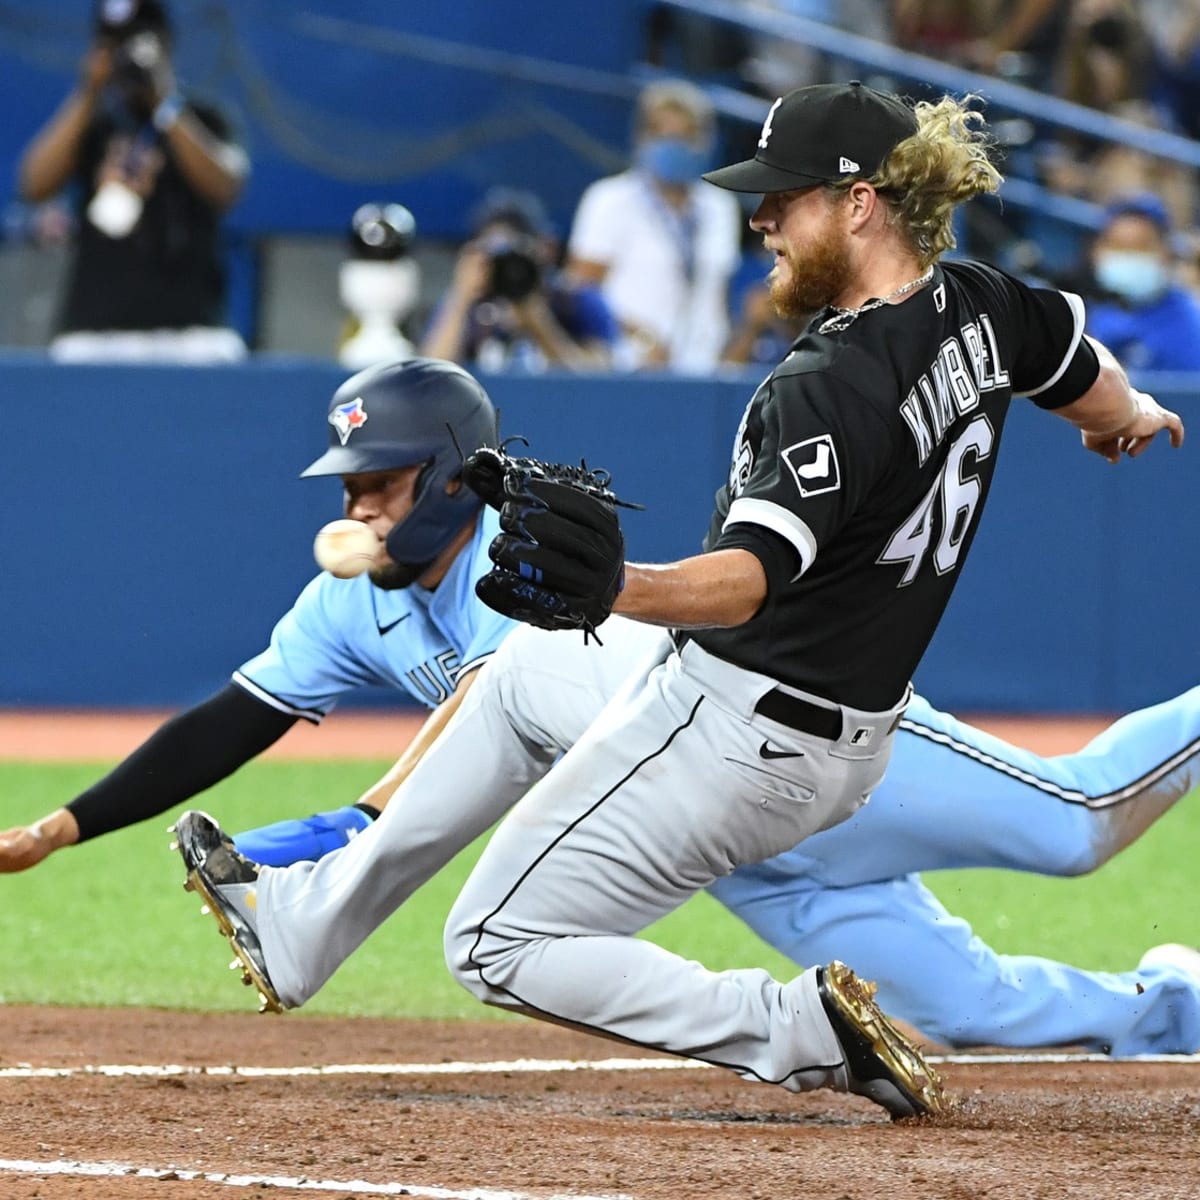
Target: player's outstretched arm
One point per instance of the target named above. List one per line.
(722, 588)
(26, 845)
(1114, 418)
(191, 752)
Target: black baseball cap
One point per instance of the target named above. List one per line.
(820, 134)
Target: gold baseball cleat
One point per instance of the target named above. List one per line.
(882, 1064)
(226, 881)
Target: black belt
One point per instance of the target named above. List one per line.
(810, 718)
(800, 714)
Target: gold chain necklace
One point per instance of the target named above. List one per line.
(843, 317)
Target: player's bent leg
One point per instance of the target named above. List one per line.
(935, 974)
(537, 695)
(649, 806)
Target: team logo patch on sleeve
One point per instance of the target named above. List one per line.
(346, 418)
(814, 465)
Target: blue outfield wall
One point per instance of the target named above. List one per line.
(154, 530)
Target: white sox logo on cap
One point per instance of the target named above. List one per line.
(765, 136)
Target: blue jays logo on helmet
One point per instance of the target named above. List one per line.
(346, 418)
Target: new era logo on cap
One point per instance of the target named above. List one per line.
(847, 166)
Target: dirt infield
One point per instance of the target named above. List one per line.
(1087, 1129)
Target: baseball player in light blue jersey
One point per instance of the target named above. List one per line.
(397, 434)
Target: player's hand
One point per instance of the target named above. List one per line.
(472, 274)
(1134, 437)
(96, 70)
(163, 79)
(26, 845)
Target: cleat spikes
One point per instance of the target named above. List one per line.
(188, 886)
(236, 965)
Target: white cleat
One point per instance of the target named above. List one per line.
(1173, 954)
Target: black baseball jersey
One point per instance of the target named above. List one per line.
(862, 463)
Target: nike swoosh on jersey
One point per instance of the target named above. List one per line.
(765, 751)
(391, 624)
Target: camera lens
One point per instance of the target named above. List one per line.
(515, 271)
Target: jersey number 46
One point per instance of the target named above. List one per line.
(959, 496)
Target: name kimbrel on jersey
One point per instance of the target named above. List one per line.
(965, 368)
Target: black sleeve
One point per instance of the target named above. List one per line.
(191, 752)
(1053, 363)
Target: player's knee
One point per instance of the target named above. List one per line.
(1079, 859)
(479, 957)
(461, 942)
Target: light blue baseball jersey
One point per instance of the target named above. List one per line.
(344, 633)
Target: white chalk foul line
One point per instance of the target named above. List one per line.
(356, 1187)
(523, 1066)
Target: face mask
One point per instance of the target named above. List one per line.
(673, 160)
(1133, 276)
(391, 288)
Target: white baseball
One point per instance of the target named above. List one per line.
(346, 548)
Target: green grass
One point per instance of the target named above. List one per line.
(107, 923)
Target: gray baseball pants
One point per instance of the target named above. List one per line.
(678, 782)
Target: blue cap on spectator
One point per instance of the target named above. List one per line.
(522, 209)
(1140, 204)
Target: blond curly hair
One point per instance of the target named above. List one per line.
(928, 175)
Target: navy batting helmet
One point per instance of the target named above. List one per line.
(398, 414)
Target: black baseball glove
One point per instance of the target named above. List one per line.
(560, 555)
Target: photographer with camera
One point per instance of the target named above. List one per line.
(154, 170)
(507, 305)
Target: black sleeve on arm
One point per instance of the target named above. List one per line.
(1078, 375)
(191, 752)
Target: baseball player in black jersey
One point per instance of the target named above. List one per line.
(859, 472)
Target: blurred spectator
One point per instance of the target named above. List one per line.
(1017, 39)
(774, 65)
(1105, 55)
(1175, 31)
(1147, 318)
(508, 305)
(1105, 172)
(154, 171)
(660, 243)
(379, 284)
